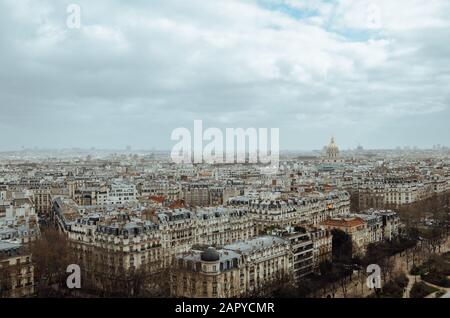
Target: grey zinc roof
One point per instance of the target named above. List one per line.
(5, 246)
(248, 247)
(195, 255)
(7, 231)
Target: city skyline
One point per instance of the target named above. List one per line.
(373, 73)
(318, 148)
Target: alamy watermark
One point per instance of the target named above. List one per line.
(237, 145)
(73, 20)
(373, 16)
(374, 277)
(74, 279)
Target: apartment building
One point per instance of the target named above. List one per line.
(16, 271)
(163, 188)
(234, 270)
(355, 227)
(172, 231)
(391, 224)
(377, 192)
(18, 219)
(219, 195)
(119, 193)
(374, 226)
(196, 194)
(42, 201)
(306, 210)
(439, 183)
(322, 246)
(114, 247)
(178, 232)
(218, 226)
(302, 251)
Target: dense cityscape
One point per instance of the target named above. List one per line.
(200, 157)
(138, 225)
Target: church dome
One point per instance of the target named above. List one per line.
(332, 149)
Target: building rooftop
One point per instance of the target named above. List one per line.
(250, 246)
(344, 222)
(6, 247)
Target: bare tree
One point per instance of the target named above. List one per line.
(51, 254)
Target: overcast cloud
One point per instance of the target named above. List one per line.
(371, 72)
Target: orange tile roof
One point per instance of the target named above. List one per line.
(343, 222)
(159, 199)
(177, 204)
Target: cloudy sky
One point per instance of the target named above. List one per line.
(375, 72)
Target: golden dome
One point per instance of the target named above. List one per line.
(332, 149)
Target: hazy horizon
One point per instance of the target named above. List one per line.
(132, 150)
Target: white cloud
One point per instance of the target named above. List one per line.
(340, 68)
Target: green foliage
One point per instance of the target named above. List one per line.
(412, 234)
(394, 288)
(435, 270)
(438, 279)
(401, 280)
(417, 270)
(440, 293)
(377, 251)
(420, 290)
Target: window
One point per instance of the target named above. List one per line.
(205, 288)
